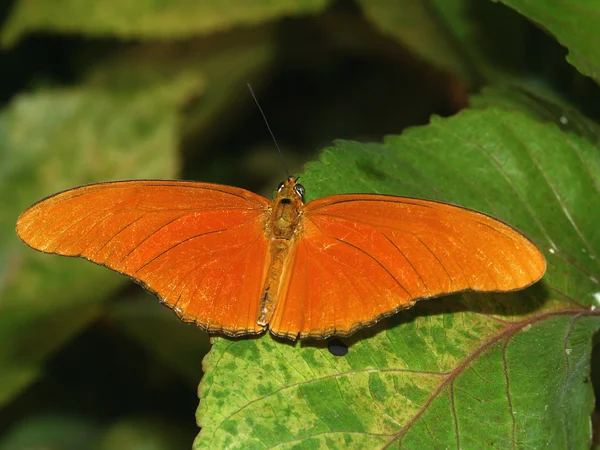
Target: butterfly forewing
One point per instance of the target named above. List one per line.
(200, 247)
(362, 257)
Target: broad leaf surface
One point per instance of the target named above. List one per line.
(146, 19)
(467, 371)
(539, 106)
(574, 24)
(54, 140)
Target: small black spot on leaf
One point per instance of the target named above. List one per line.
(337, 347)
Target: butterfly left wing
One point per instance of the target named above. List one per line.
(362, 257)
(199, 247)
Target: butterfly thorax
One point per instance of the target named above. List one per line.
(285, 217)
(286, 210)
(283, 226)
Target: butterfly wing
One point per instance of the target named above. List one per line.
(363, 257)
(199, 247)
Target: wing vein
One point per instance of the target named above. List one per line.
(436, 257)
(409, 262)
(353, 282)
(367, 254)
(116, 234)
(64, 230)
(148, 237)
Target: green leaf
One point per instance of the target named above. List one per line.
(418, 25)
(466, 371)
(146, 19)
(225, 63)
(54, 431)
(143, 433)
(540, 106)
(50, 141)
(462, 37)
(50, 431)
(574, 24)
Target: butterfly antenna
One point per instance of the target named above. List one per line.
(269, 128)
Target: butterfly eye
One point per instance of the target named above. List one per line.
(280, 187)
(299, 189)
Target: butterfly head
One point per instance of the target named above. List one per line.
(290, 191)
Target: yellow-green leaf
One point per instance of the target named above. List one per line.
(146, 19)
(467, 371)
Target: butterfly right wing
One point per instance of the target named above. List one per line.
(200, 247)
(361, 257)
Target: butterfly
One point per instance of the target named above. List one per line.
(233, 262)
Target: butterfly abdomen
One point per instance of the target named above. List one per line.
(279, 252)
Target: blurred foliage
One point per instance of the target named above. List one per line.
(94, 91)
(147, 19)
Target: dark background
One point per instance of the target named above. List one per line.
(332, 75)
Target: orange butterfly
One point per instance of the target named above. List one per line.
(234, 262)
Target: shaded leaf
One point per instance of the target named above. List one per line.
(146, 19)
(50, 431)
(574, 24)
(159, 331)
(465, 371)
(539, 106)
(418, 25)
(143, 433)
(57, 431)
(53, 140)
(225, 63)
(463, 37)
